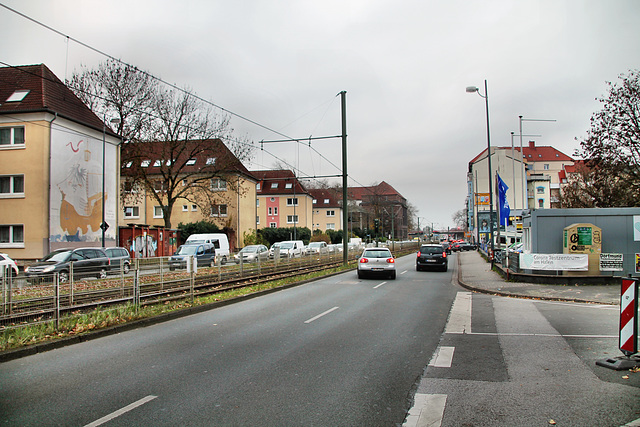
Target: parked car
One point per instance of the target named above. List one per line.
(291, 248)
(120, 259)
(8, 265)
(220, 242)
(317, 248)
(205, 253)
(80, 262)
(252, 253)
(377, 261)
(432, 256)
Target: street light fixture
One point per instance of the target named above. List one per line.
(472, 89)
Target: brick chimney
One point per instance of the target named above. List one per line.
(532, 145)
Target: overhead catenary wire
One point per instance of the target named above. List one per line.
(171, 85)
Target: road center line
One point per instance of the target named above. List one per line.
(119, 412)
(321, 314)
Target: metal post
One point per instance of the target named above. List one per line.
(345, 204)
(486, 99)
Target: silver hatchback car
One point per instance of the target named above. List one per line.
(377, 261)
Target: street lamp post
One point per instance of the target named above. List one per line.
(471, 89)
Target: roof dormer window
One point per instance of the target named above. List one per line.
(18, 95)
(191, 162)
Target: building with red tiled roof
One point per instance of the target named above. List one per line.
(51, 188)
(381, 202)
(534, 179)
(282, 200)
(327, 209)
(197, 180)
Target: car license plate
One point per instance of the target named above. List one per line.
(431, 260)
(377, 269)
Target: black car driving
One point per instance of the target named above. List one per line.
(432, 256)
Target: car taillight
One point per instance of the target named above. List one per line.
(419, 254)
(391, 260)
(444, 254)
(363, 260)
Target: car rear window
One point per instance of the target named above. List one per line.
(379, 253)
(431, 249)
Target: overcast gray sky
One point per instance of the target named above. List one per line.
(403, 64)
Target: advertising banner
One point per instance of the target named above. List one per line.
(562, 262)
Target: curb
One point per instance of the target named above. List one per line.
(515, 295)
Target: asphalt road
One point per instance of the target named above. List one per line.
(338, 351)
(522, 362)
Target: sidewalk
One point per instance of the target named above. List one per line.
(475, 274)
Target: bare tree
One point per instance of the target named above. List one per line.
(165, 131)
(460, 218)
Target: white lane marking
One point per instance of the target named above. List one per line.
(635, 423)
(321, 314)
(377, 286)
(404, 271)
(443, 357)
(427, 410)
(119, 412)
(533, 334)
(460, 316)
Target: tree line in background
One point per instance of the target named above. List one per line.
(609, 174)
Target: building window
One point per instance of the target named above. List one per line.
(194, 208)
(331, 213)
(157, 163)
(218, 210)
(218, 184)
(12, 186)
(326, 201)
(274, 185)
(257, 219)
(258, 186)
(145, 163)
(292, 219)
(11, 136)
(158, 186)
(258, 203)
(292, 201)
(546, 166)
(157, 212)
(288, 185)
(331, 226)
(269, 211)
(273, 225)
(540, 190)
(314, 201)
(185, 208)
(131, 212)
(541, 203)
(18, 95)
(211, 161)
(191, 162)
(11, 236)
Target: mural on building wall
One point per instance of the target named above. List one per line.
(76, 187)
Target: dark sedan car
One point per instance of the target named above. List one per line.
(432, 256)
(68, 262)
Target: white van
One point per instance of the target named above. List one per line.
(220, 241)
(291, 248)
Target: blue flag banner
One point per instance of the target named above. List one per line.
(505, 210)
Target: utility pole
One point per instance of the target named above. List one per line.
(345, 205)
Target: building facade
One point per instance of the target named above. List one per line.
(327, 209)
(282, 201)
(58, 167)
